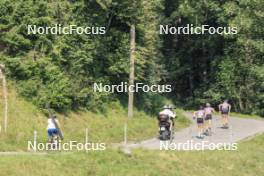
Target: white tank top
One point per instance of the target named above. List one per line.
(200, 114)
(51, 124)
(168, 112)
(225, 106)
(208, 110)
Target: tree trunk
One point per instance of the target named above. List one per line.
(191, 86)
(240, 103)
(131, 70)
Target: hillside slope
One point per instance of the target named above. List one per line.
(24, 118)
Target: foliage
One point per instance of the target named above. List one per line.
(211, 68)
(61, 69)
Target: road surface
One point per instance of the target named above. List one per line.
(239, 129)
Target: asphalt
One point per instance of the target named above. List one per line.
(186, 139)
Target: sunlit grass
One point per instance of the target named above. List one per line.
(247, 160)
(251, 116)
(108, 127)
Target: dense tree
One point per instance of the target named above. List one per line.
(211, 68)
(61, 69)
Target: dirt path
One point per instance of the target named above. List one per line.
(239, 129)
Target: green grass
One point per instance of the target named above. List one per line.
(24, 118)
(252, 116)
(247, 160)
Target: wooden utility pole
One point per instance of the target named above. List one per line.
(131, 78)
(131, 69)
(2, 76)
(5, 101)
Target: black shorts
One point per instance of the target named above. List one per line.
(200, 120)
(224, 112)
(208, 117)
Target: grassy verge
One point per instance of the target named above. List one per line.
(251, 116)
(24, 118)
(247, 160)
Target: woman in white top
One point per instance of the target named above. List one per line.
(208, 117)
(199, 115)
(224, 109)
(51, 128)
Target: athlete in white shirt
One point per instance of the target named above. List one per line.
(208, 110)
(224, 109)
(51, 128)
(199, 116)
(167, 110)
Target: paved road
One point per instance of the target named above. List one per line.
(239, 129)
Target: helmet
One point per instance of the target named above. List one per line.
(170, 106)
(165, 107)
(208, 105)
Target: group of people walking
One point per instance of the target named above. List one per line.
(204, 117)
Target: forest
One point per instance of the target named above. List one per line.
(61, 69)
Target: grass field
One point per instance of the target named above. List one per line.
(246, 161)
(24, 118)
